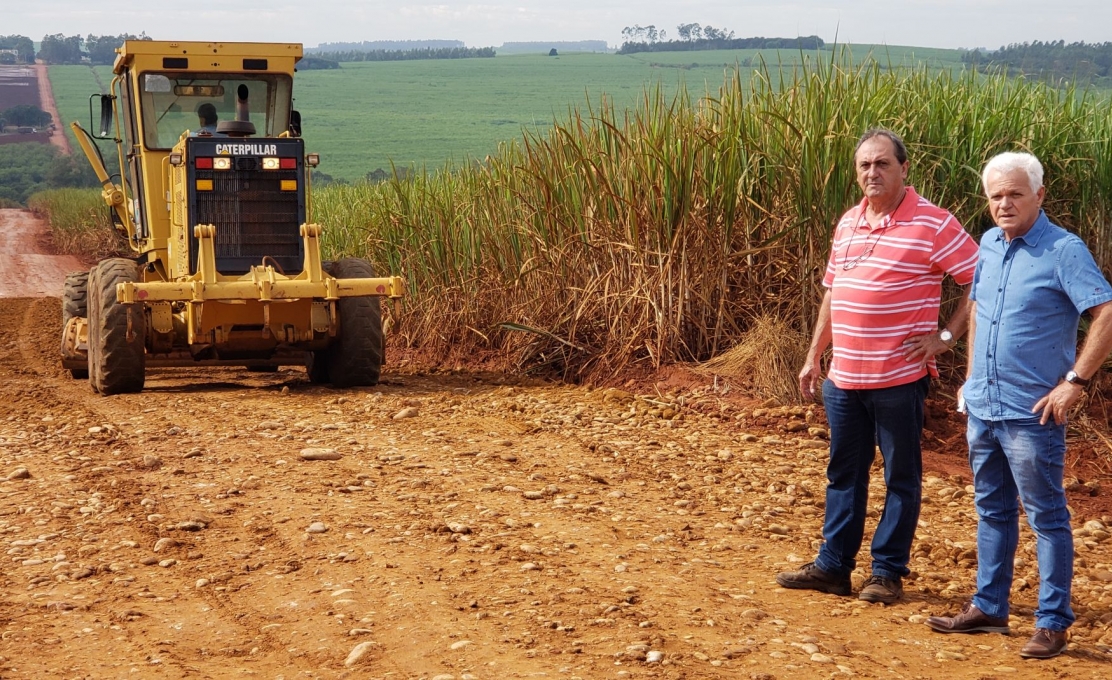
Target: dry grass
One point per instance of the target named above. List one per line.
(654, 236)
(766, 361)
(79, 222)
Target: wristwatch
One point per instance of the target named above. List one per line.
(947, 337)
(1072, 377)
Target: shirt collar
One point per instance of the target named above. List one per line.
(904, 212)
(1031, 238)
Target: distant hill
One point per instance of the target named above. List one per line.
(389, 45)
(810, 42)
(1053, 61)
(558, 45)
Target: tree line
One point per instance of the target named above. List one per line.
(16, 49)
(29, 167)
(92, 49)
(406, 55)
(1053, 61)
(24, 115)
(315, 63)
(695, 37)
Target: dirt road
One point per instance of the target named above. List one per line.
(27, 268)
(46, 95)
(472, 527)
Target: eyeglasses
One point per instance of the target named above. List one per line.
(851, 264)
(848, 264)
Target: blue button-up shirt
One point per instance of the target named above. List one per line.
(1030, 293)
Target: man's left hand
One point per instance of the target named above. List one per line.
(1058, 403)
(923, 348)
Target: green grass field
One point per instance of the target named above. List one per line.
(428, 113)
(72, 86)
(366, 115)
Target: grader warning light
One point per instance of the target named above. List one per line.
(226, 264)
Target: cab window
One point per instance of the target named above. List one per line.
(170, 101)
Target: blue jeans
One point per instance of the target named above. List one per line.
(1013, 461)
(860, 420)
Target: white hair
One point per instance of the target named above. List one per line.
(1012, 160)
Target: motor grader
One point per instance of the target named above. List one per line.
(226, 264)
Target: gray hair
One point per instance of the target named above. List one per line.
(1015, 160)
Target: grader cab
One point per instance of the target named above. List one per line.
(226, 266)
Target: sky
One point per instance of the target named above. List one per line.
(923, 23)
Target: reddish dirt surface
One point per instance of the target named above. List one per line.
(29, 268)
(46, 95)
(502, 528)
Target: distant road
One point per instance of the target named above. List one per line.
(26, 268)
(46, 96)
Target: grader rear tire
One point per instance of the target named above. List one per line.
(75, 299)
(75, 296)
(355, 358)
(117, 354)
(91, 351)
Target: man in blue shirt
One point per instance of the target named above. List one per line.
(1033, 282)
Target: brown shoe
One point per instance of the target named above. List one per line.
(1045, 644)
(970, 620)
(881, 589)
(810, 577)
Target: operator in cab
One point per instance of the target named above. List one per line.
(206, 115)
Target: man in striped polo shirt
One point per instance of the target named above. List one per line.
(880, 311)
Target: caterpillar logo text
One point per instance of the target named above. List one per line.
(246, 149)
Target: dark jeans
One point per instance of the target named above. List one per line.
(860, 420)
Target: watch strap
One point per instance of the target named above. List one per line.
(1072, 377)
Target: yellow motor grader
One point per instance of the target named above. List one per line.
(227, 266)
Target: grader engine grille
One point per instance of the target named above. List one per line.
(253, 216)
(253, 192)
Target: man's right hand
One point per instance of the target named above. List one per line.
(809, 379)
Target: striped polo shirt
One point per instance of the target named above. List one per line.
(886, 286)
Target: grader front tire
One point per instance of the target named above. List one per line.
(117, 354)
(355, 358)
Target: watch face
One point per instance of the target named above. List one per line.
(946, 336)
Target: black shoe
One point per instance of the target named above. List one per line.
(881, 589)
(810, 577)
(970, 620)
